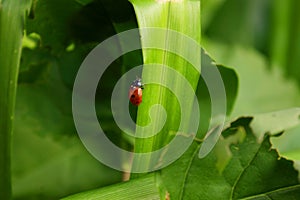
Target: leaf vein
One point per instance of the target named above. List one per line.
(187, 170)
(243, 171)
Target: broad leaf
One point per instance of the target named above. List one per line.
(288, 144)
(216, 93)
(264, 93)
(275, 122)
(261, 90)
(254, 170)
(46, 150)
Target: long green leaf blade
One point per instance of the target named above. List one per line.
(12, 17)
(167, 76)
(141, 188)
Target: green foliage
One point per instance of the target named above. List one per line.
(51, 156)
(179, 104)
(285, 43)
(12, 17)
(231, 84)
(140, 188)
(254, 45)
(47, 152)
(254, 96)
(254, 169)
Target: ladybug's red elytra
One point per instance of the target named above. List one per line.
(136, 92)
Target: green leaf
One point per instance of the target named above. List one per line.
(12, 18)
(282, 193)
(166, 86)
(254, 170)
(286, 122)
(61, 23)
(34, 65)
(49, 160)
(275, 122)
(209, 10)
(216, 92)
(140, 188)
(285, 40)
(246, 23)
(280, 32)
(261, 90)
(263, 93)
(288, 143)
(51, 21)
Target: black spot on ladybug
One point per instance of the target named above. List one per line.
(132, 96)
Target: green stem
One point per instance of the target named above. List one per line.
(12, 14)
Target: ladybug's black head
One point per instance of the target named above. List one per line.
(138, 83)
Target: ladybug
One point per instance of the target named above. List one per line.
(136, 92)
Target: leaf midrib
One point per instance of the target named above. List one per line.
(273, 191)
(187, 170)
(245, 169)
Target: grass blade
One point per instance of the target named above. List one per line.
(141, 188)
(12, 16)
(172, 87)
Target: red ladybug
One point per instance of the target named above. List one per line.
(136, 92)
